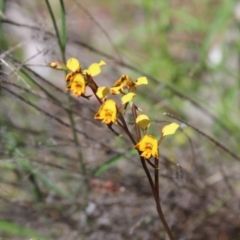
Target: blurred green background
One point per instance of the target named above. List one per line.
(64, 175)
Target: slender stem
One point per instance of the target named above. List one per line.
(93, 85)
(62, 40)
(143, 161)
(164, 222)
(157, 201)
(151, 164)
(220, 145)
(134, 113)
(156, 177)
(2, 10)
(154, 186)
(125, 128)
(60, 43)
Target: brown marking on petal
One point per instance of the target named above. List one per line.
(96, 115)
(113, 92)
(108, 116)
(69, 76)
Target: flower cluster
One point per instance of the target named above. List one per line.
(110, 112)
(149, 144)
(76, 78)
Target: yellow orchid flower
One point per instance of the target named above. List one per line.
(126, 82)
(77, 85)
(148, 145)
(74, 66)
(107, 112)
(143, 121)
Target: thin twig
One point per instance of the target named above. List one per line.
(156, 176)
(154, 187)
(206, 136)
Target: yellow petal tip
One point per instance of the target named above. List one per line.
(143, 121)
(128, 97)
(169, 129)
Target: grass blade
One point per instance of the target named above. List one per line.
(113, 161)
(12, 228)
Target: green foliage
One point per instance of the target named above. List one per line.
(17, 230)
(171, 42)
(113, 161)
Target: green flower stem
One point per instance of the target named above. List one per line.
(60, 42)
(62, 39)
